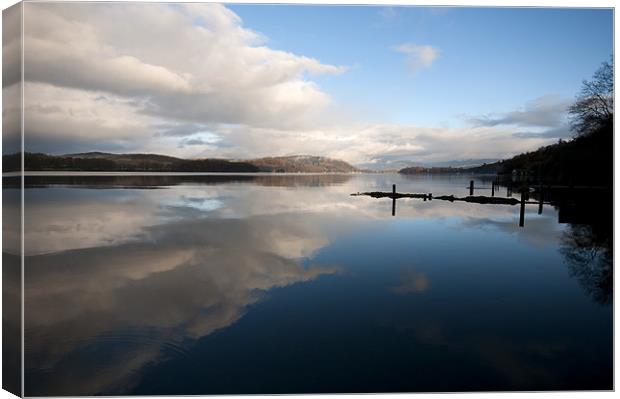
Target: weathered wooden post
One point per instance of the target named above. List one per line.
(471, 187)
(540, 199)
(393, 199)
(522, 210)
(527, 192)
(492, 188)
(540, 205)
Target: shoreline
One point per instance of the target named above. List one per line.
(128, 173)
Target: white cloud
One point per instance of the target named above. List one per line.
(418, 56)
(543, 117)
(376, 144)
(387, 13)
(185, 62)
(544, 111)
(61, 120)
(74, 120)
(191, 80)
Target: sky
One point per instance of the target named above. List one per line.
(378, 87)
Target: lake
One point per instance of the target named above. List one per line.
(225, 284)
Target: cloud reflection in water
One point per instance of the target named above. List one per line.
(187, 280)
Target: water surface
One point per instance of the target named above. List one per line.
(287, 284)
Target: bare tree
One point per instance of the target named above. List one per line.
(594, 106)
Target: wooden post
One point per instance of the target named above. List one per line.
(540, 200)
(471, 187)
(522, 210)
(393, 199)
(492, 188)
(540, 205)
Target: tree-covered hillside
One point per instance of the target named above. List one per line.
(103, 162)
(588, 157)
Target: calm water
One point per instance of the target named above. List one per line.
(287, 284)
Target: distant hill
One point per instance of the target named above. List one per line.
(491, 168)
(462, 163)
(485, 169)
(129, 158)
(302, 163)
(416, 170)
(105, 162)
(396, 165)
(108, 162)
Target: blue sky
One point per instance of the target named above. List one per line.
(490, 59)
(378, 87)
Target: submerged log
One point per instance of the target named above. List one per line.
(393, 195)
(478, 199)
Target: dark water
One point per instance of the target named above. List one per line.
(287, 284)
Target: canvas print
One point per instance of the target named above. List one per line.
(204, 198)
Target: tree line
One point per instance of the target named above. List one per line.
(44, 162)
